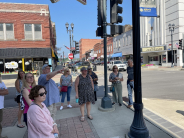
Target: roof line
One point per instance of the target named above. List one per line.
(22, 3)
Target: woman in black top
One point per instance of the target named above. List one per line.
(95, 79)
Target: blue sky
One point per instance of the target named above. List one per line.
(84, 18)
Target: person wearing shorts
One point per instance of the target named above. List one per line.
(18, 86)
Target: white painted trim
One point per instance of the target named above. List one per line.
(24, 11)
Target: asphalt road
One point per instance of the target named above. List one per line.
(155, 84)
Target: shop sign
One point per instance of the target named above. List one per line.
(150, 49)
(11, 65)
(163, 58)
(148, 12)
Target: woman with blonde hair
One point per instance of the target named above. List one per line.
(18, 86)
(66, 87)
(116, 78)
(28, 84)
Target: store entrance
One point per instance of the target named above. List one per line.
(38, 65)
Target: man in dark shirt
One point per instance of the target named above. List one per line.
(130, 81)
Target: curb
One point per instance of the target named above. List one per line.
(167, 131)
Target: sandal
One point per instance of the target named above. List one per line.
(90, 117)
(82, 119)
(20, 126)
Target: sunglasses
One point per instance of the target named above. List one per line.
(67, 71)
(41, 94)
(115, 68)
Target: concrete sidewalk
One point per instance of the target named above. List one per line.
(104, 125)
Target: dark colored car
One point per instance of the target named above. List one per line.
(97, 62)
(69, 65)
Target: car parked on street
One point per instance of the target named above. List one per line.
(79, 65)
(118, 63)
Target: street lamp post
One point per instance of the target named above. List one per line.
(171, 29)
(71, 37)
(138, 128)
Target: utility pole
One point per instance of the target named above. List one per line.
(138, 128)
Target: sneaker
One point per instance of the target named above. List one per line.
(120, 104)
(61, 108)
(69, 106)
(113, 103)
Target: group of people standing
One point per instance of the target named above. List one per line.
(37, 103)
(116, 78)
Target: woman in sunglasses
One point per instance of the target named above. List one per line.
(66, 80)
(40, 122)
(116, 78)
(28, 83)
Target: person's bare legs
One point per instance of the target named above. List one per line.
(20, 112)
(88, 106)
(82, 109)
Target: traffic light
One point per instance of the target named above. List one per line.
(180, 44)
(117, 29)
(100, 12)
(99, 32)
(54, 1)
(114, 10)
(76, 47)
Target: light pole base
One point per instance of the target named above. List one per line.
(138, 128)
(106, 103)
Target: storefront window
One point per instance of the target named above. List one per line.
(169, 53)
(154, 58)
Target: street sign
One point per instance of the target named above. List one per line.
(70, 56)
(83, 1)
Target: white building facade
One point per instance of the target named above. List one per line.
(123, 44)
(155, 35)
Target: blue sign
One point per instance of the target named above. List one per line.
(148, 12)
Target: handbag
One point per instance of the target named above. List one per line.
(64, 88)
(112, 89)
(15, 99)
(96, 88)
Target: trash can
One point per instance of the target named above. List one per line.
(94, 68)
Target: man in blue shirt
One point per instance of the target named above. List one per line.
(130, 82)
(53, 95)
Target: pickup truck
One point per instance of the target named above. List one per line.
(118, 63)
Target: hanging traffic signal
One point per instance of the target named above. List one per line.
(180, 44)
(100, 12)
(76, 47)
(114, 10)
(117, 29)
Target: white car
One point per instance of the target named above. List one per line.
(118, 63)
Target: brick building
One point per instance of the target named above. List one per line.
(99, 48)
(27, 37)
(87, 44)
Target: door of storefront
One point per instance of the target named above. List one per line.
(38, 65)
(160, 60)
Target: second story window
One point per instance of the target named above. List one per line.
(99, 51)
(6, 31)
(33, 32)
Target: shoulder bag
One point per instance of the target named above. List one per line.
(112, 88)
(64, 88)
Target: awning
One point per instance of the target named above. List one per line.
(117, 55)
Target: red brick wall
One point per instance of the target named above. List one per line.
(87, 44)
(21, 6)
(19, 19)
(100, 46)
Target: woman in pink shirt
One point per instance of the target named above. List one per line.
(40, 122)
(28, 83)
